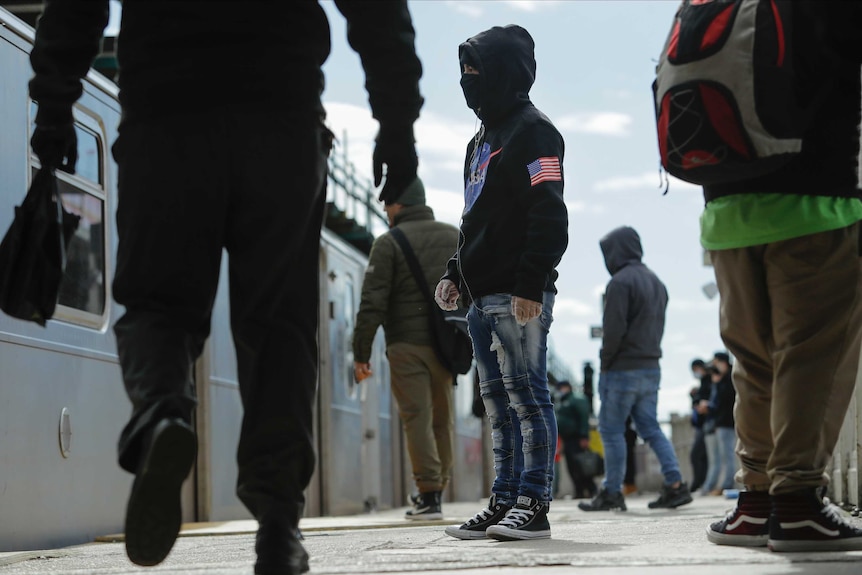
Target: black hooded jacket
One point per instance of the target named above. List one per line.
(514, 229)
(635, 304)
(178, 56)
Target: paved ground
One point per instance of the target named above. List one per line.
(640, 541)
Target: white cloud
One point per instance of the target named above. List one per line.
(530, 5)
(682, 305)
(576, 207)
(573, 307)
(601, 123)
(447, 205)
(651, 180)
(569, 327)
(476, 9)
(440, 142)
(471, 9)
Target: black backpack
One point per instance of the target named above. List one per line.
(451, 340)
(726, 91)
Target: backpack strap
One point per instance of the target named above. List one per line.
(412, 262)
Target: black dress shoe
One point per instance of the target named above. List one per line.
(153, 514)
(279, 551)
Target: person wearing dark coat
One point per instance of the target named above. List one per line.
(699, 457)
(632, 330)
(222, 146)
(573, 423)
(514, 231)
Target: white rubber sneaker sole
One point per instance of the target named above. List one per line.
(458, 533)
(501, 533)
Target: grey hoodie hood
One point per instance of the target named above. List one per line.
(621, 247)
(504, 56)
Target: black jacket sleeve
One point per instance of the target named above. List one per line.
(67, 41)
(546, 236)
(614, 322)
(383, 36)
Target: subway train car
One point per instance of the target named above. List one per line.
(62, 403)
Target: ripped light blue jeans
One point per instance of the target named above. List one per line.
(513, 379)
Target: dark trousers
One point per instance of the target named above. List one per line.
(699, 460)
(253, 183)
(631, 465)
(585, 486)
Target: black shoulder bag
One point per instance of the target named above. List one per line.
(451, 340)
(33, 251)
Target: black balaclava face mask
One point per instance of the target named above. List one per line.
(470, 85)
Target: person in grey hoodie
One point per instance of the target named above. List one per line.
(633, 325)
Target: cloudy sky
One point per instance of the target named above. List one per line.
(596, 61)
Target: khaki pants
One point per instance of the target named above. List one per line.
(423, 389)
(790, 313)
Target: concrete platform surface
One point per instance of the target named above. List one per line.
(640, 541)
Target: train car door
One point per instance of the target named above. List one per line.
(356, 462)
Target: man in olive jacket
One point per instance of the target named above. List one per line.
(421, 384)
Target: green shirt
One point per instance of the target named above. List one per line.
(745, 220)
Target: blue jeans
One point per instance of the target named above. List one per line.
(513, 380)
(634, 393)
(727, 452)
(713, 456)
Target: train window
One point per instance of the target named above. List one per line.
(89, 164)
(83, 291)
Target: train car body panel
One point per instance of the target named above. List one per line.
(62, 401)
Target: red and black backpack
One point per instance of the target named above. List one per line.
(725, 91)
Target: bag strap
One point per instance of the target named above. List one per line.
(412, 263)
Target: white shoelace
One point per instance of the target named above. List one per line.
(481, 516)
(836, 514)
(516, 517)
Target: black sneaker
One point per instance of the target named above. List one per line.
(604, 501)
(426, 506)
(802, 521)
(475, 528)
(671, 498)
(528, 519)
(747, 525)
(154, 514)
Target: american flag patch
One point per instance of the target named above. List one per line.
(545, 169)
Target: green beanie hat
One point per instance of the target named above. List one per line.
(413, 194)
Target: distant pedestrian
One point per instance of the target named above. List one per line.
(699, 457)
(632, 330)
(718, 410)
(573, 421)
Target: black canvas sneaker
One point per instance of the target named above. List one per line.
(747, 525)
(528, 519)
(802, 521)
(475, 527)
(425, 507)
(604, 501)
(671, 498)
